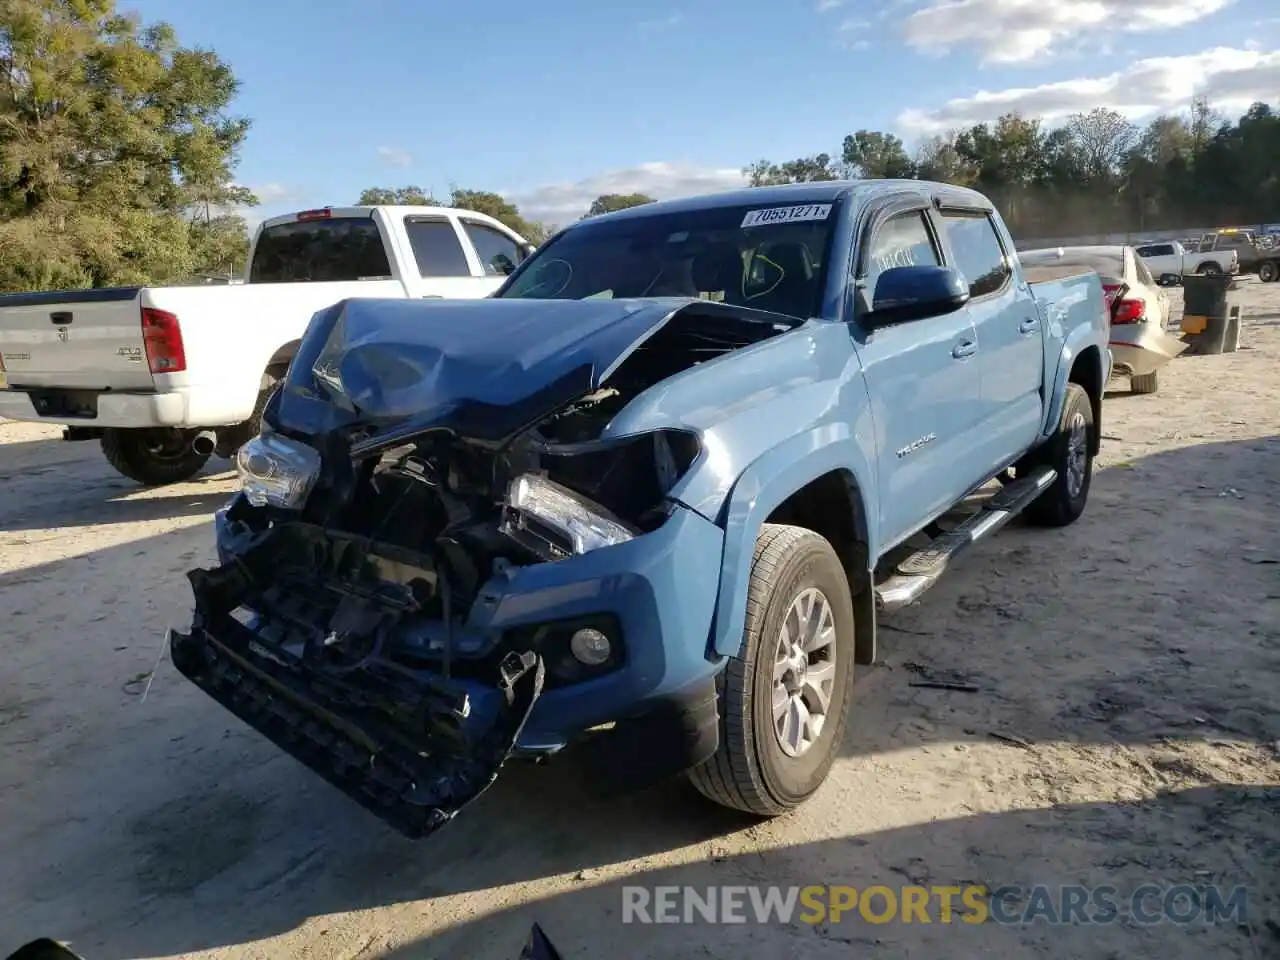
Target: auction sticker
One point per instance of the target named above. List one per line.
(807, 211)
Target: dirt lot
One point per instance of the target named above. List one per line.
(1134, 658)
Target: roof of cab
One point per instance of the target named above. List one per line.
(819, 191)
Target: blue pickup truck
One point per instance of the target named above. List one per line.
(648, 499)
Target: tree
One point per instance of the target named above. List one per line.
(871, 154)
(496, 206)
(112, 138)
(609, 202)
(398, 197)
(1104, 137)
(764, 173)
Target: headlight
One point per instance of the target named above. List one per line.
(277, 471)
(555, 522)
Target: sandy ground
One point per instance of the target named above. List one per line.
(1134, 657)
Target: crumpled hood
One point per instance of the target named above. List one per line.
(483, 368)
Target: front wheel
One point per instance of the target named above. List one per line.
(154, 456)
(783, 699)
(1070, 453)
(1268, 271)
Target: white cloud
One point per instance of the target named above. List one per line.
(662, 23)
(562, 203)
(824, 5)
(1231, 79)
(852, 34)
(395, 156)
(1017, 31)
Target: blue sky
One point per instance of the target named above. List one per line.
(555, 102)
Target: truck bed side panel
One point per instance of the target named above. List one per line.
(1074, 319)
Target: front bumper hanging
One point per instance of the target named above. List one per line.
(410, 782)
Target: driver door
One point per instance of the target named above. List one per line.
(924, 385)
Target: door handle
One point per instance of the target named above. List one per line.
(965, 348)
(1029, 324)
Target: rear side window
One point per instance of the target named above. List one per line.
(318, 251)
(977, 250)
(498, 252)
(902, 241)
(436, 248)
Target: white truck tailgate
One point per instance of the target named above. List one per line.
(89, 339)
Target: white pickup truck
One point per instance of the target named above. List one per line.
(166, 377)
(1169, 261)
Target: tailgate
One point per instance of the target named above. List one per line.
(89, 339)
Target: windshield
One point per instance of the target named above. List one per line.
(316, 251)
(763, 256)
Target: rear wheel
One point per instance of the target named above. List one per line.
(1209, 269)
(154, 456)
(1268, 271)
(1147, 383)
(783, 700)
(1070, 454)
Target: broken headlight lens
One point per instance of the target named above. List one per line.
(555, 522)
(276, 471)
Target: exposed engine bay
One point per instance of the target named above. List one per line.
(347, 620)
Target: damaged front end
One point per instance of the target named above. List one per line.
(367, 614)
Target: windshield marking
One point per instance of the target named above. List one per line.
(808, 211)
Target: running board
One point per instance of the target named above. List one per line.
(920, 571)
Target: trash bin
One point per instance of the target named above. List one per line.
(1210, 323)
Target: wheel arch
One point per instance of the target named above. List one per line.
(807, 483)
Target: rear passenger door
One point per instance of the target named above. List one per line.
(923, 381)
(441, 260)
(1010, 345)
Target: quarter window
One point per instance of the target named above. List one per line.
(902, 241)
(436, 248)
(978, 252)
(498, 252)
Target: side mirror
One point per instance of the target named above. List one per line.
(917, 292)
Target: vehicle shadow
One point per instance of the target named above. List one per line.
(158, 828)
(1124, 846)
(71, 485)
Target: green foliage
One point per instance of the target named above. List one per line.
(610, 202)
(113, 139)
(1096, 173)
(764, 173)
(400, 196)
(481, 201)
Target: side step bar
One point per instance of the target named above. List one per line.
(920, 571)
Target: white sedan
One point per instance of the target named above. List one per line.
(1139, 344)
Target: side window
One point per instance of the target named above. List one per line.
(1148, 251)
(902, 241)
(977, 250)
(498, 252)
(436, 248)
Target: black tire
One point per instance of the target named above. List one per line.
(1268, 271)
(1060, 504)
(1209, 269)
(153, 457)
(1146, 383)
(750, 770)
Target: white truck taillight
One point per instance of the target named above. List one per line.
(162, 338)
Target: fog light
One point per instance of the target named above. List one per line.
(590, 647)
